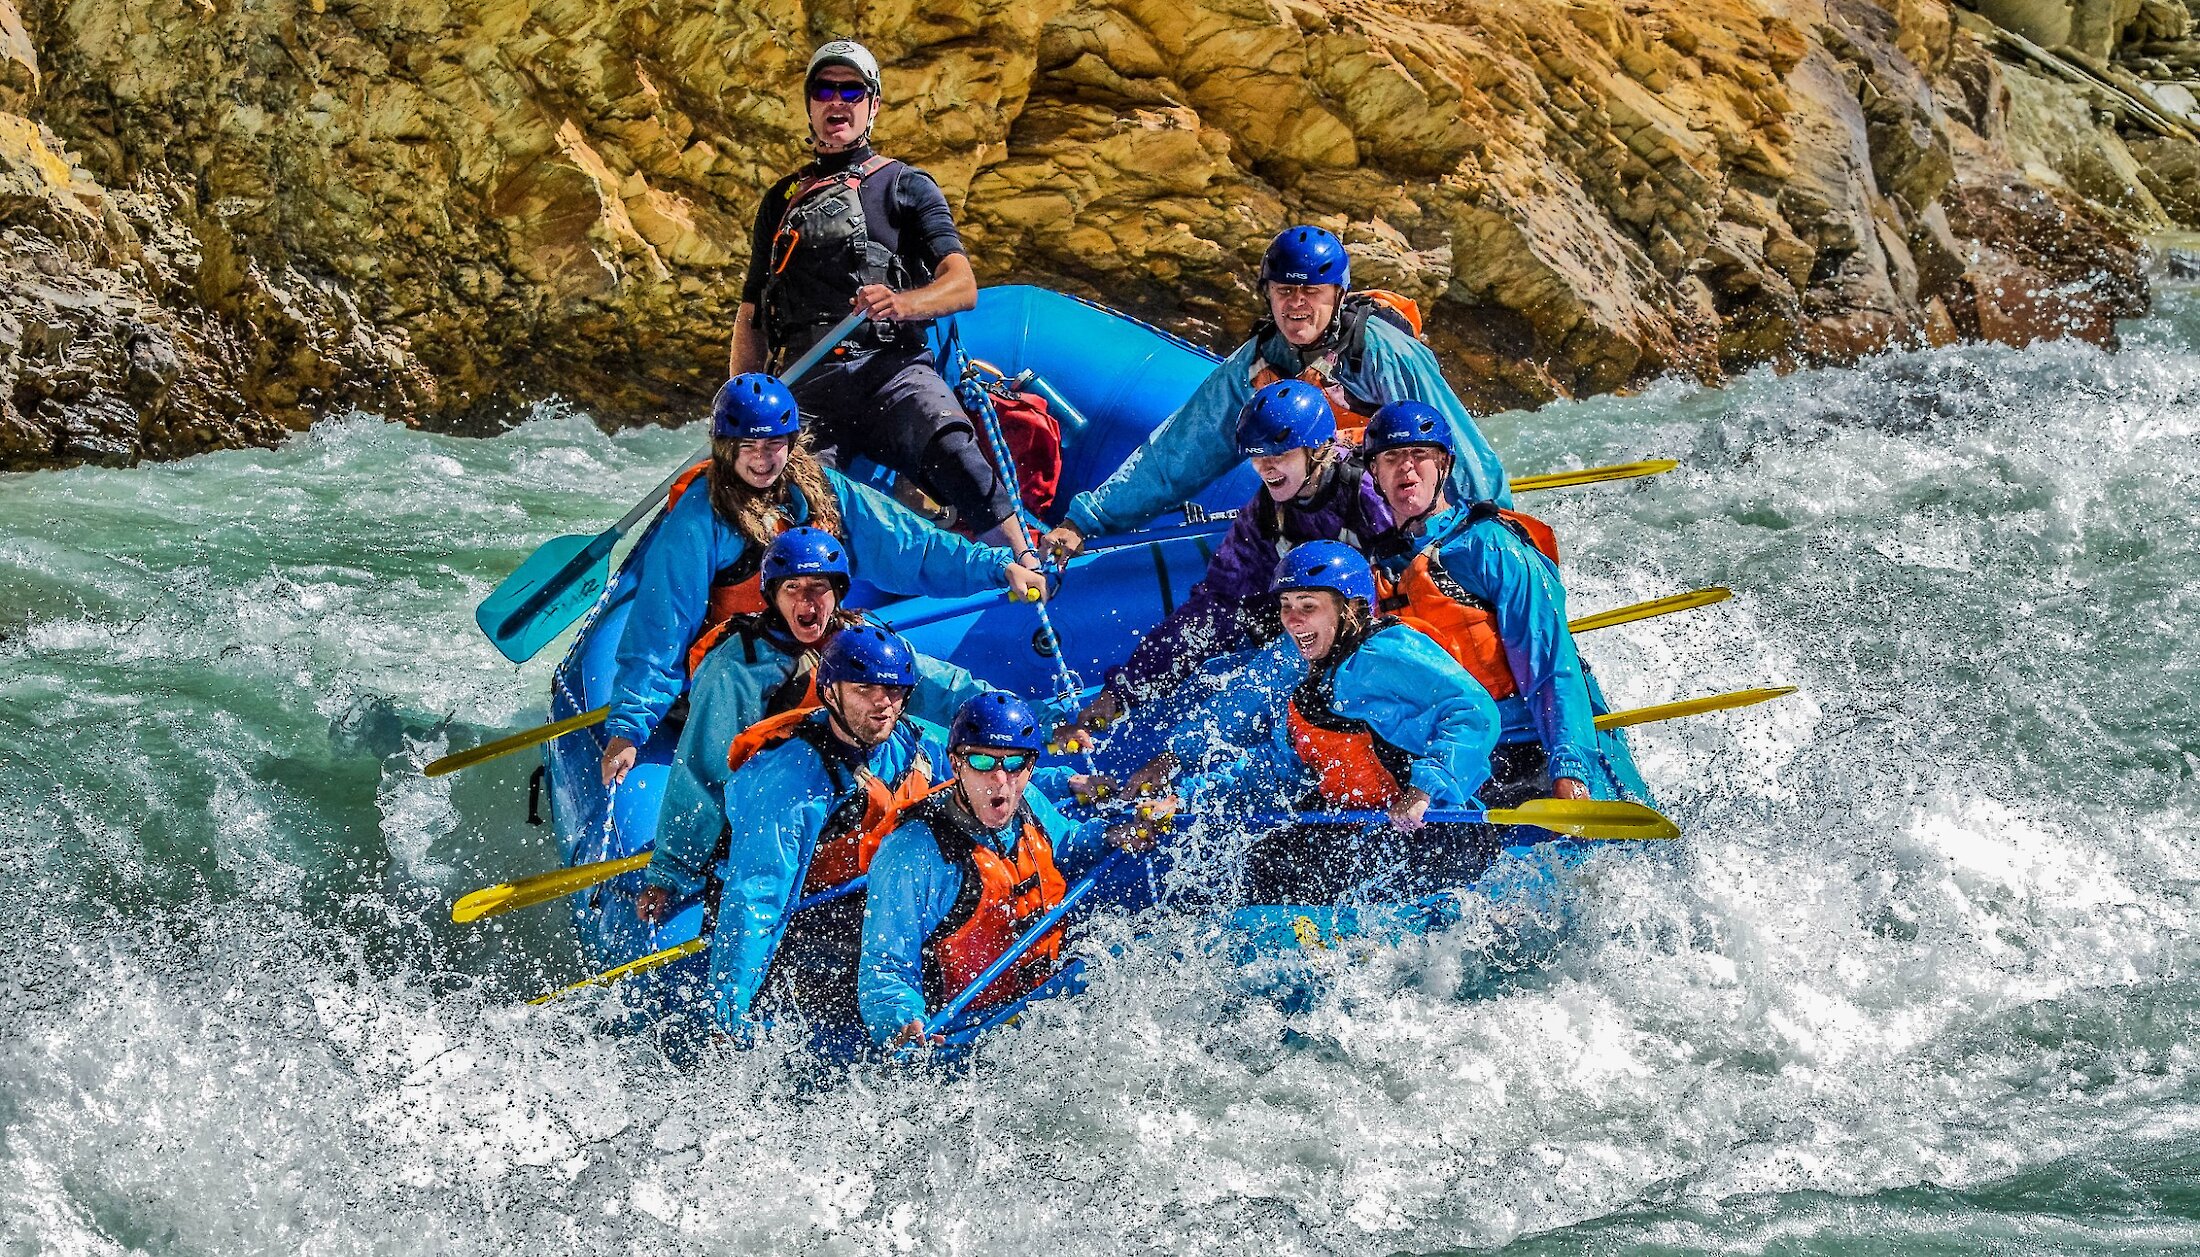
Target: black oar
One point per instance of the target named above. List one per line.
(563, 577)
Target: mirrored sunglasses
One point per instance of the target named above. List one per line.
(979, 761)
(850, 92)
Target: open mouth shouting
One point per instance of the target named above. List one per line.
(809, 622)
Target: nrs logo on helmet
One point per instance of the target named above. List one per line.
(1306, 255)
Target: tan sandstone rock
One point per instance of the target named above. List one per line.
(441, 210)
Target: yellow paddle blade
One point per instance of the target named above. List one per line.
(1593, 475)
(517, 742)
(654, 960)
(1690, 707)
(1689, 601)
(1589, 818)
(492, 901)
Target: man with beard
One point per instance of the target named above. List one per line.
(811, 793)
(763, 665)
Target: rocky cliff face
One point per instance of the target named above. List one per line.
(225, 218)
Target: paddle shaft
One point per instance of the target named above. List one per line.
(1610, 820)
(939, 1021)
(1689, 707)
(1368, 816)
(600, 549)
(516, 742)
(657, 959)
(1647, 610)
(1594, 475)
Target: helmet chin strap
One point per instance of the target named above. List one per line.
(827, 697)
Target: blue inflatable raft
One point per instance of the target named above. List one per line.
(1111, 379)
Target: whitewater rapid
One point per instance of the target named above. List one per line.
(1921, 971)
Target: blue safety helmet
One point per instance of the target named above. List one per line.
(1306, 255)
(1400, 424)
(865, 654)
(1284, 416)
(997, 720)
(805, 552)
(753, 406)
(1330, 565)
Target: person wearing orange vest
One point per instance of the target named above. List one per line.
(856, 230)
(1483, 582)
(703, 565)
(1382, 720)
(812, 791)
(1315, 330)
(766, 664)
(969, 868)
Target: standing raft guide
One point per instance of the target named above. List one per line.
(1316, 618)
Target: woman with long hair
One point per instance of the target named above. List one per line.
(1384, 719)
(704, 566)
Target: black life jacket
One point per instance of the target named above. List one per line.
(826, 248)
(1342, 487)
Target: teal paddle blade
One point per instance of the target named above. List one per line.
(557, 584)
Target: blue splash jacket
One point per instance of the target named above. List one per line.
(1411, 694)
(911, 891)
(1492, 562)
(729, 695)
(888, 545)
(775, 807)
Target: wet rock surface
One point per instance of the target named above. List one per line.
(224, 219)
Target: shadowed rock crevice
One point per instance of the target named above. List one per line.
(225, 219)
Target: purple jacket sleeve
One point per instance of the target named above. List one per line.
(1216, 618)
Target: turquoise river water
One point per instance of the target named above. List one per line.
(1920, 977)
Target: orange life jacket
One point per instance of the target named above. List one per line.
(1354, 768)
(1355, 309)
(1427, 597)
(868, 808)
(1351, 420)
(999, 900)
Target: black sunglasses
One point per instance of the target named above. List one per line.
(850, 92)
(979, 761)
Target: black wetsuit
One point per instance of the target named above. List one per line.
(878, 394)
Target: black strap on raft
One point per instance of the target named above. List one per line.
(534, 796)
